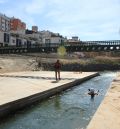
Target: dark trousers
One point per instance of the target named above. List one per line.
(57, 74)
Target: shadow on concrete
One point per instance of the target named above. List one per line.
(37, 77)
(55, 81)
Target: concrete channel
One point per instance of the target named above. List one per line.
(107, 115)
(18, 90)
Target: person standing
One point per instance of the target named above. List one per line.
(57, 67)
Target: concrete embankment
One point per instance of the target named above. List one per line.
(108, 113)
(18, 90)
(83, 67)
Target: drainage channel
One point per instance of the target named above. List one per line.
(72, 109)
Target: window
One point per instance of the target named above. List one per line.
(13, 41)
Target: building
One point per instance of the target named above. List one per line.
(4, 23)
(51, 38)
(4, 38)
(31, 39)
(74, 41)
(1, 38)
(17, 24)
(35, 28)
(56, 38)
(15, 40)
(11, 24)
(20, 40)
(34, 36)
(13, 32)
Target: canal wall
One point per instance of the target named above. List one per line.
(22, 90)
(108, 114)
(80, 67)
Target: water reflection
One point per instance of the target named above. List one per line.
(57, 102)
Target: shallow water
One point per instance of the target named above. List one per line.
(72, 109)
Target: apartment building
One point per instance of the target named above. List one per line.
(34, 36)
(15, 40)
(51, 38)
(45, 38)
(17, 24)
(13, 33)
(4, 23)
(20, 40)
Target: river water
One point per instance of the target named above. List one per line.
(72, 109)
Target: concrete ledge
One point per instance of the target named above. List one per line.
(13, 106)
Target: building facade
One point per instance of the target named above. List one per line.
(4, 23)
(17, 24)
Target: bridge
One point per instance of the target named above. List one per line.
(82, 46)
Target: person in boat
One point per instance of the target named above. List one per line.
(92, 92)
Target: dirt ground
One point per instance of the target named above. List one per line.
(31, 62)
(12, 63)
(28, 62)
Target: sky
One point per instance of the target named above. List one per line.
(87, 19)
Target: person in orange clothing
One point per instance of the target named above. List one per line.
(57, 67)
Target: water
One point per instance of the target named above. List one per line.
(72, 109)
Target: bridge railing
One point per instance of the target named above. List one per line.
(80, 46)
